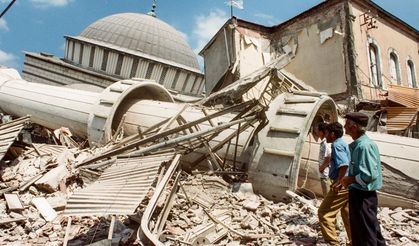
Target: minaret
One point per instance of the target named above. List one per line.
(153, 9)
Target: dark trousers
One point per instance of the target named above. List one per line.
(365, 227)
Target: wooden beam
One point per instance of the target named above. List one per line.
(170, 122)
(67, 231)
(162, 134)
(111, 226)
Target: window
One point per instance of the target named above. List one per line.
(92, 56)
(175, 79)
(186, 82)
(375, 65)
(194, 83)
(411, 76)
(67, 49)
(199, 89)
(163, 75)
(149, 70)
(119, 64)
(394, 68)
(104, 60)
(81, 53)
(134, 68)
(72, 51)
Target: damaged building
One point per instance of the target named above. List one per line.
(354, 50)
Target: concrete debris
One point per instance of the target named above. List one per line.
(13, 202)
(44, 208)
(51, 180)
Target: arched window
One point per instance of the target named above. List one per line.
(394, 68)
(375, 65)
(411, 76)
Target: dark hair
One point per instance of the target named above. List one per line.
(322, 126)
(336, 128)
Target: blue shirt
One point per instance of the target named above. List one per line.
(365, 164)
(340, 157)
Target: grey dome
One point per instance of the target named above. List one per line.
(144, 33)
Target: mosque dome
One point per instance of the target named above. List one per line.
(143, 33)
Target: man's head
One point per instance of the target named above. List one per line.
(355, 124)
(321, 130)
(333, 131)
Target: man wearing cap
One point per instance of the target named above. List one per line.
(363, 179)
(337, 198)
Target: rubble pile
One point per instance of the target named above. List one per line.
(34, 188)
(206, 210)
(38, 181)
(209, 211)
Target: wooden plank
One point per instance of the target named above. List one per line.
(9, 189)
(110, 233)
(9, 135)
(8, 221)
(67, 231)
(167, 125)
(44, 208)
(19, 121)
(13, 202)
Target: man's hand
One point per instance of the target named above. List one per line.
(347, 180)
(336, 186)
(325, 164)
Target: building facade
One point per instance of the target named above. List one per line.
(347, 48)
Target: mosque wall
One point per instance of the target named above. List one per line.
(44, 70)
(53, 71)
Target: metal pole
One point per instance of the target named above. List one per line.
(231, 8)
(7, 8)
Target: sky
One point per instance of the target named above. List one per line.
(40, 25)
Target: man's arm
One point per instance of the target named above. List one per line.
(338, 184)
(367, 168)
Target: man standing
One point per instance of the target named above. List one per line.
(337, 198)
(363, 179)
(324, 158)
